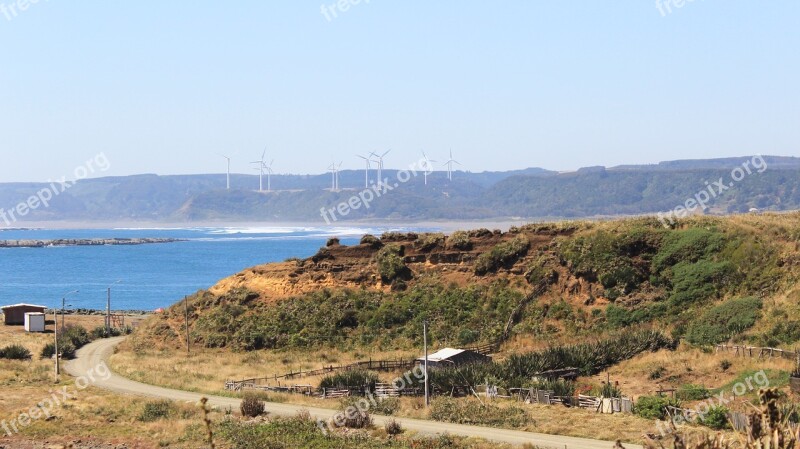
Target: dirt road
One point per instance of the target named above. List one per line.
(99, 351)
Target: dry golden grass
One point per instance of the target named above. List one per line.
(684, 366)
(93, 416)
(206, 370)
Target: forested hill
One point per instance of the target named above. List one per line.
(529, 193)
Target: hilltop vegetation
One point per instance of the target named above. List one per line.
(704, 279)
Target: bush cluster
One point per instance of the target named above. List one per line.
(347, 379)
(502, 255)
(459, 240)
(654, 407)
(723, 321)
(472, 412)
(155, 410)
(15, 352)
(429, 241)
(252, 406)
(391, 265)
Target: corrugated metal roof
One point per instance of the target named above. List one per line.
(442, 354)
(22, 305)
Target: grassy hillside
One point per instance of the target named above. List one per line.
(708, 279)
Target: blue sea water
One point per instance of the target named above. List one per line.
(151, 276)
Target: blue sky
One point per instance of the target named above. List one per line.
(160, 87)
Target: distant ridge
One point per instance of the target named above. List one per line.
(526, 193)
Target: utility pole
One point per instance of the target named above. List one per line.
(63, 305)
(186, 309)
(55, 332)
(108, 311)
(108, 307)
(425, 342)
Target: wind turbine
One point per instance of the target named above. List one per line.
(332, 169)
(269, 171)
(229, 170)
(260, 171)
(449, 165)
(380, 165)
(336, 174)
(366, 171)
(426, 166)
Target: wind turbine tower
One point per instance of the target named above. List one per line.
(426, 166)
(228, 179)
(449, 165)
(366, 170)
(380, 165)
(260, 171)
(334, 177)
(268, 169)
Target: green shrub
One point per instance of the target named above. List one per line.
(607, 390)
(690, 245)
(371, 240)
(723, 321)
(430, 241)
(155, 410)
(783, 332)
(619, 317)
(459, 240)
(608, 257)
(77, 335)
(654, 407)
(65, 347)
(694, 282)
(347, 379)
(15, 352)
(468, 411)
(391, 265)
(691, 392)
(101, 332)
(559, 387)
(502, 255)
(717, 418)
(540, 274)
(252, 406)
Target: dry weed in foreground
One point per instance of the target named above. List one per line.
(769, 429)
(207, 421)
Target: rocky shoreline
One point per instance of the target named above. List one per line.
(83, 242)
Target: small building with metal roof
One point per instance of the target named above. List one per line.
(14, 315)
(454, 357)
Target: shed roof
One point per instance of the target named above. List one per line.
(442, 354)
(23, 305)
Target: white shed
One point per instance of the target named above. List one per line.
(34, 322)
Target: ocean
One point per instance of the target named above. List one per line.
(154, 275)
